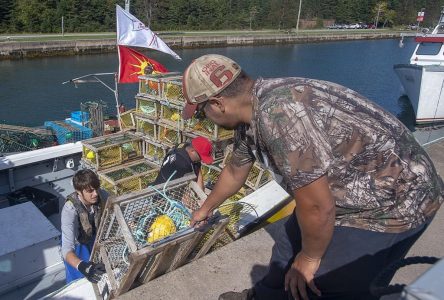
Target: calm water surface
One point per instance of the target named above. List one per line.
(31, 90)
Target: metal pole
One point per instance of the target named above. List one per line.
(63, 29)
(299, 16)
(116, 95)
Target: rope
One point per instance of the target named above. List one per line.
(377, 287)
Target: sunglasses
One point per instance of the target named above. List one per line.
(200, 111)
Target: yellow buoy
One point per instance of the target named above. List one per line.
(162, 226)
(90, 155)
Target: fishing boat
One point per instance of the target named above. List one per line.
(423, 78)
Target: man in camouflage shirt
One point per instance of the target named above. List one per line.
(365, 190)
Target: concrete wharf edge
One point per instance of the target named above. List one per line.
(239, 264)
(17, 50)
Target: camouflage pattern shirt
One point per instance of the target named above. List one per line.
(380, 177)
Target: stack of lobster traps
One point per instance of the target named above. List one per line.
(158, 118)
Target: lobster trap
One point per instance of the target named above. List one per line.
(171, 115)
(172, 90)
(130, 177)
(146, 234)
(146, 126)
(127, 119)
(111, 150)
(147, 107)
(206, 127)
(68, 132)
(169, 135)
(210, 174)
(257, 177)
(154, 152)
(150, 85)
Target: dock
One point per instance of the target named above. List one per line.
(240, 264)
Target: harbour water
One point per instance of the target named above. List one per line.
(31, 90)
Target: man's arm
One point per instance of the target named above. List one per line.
(69, 226)
(230, 181)
(315, 211)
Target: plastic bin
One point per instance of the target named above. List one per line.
(80, 116)
(46, 202)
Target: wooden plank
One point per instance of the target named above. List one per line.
(163, 263)
(202, 196)
(125, 230)
(148, 274)
(109, 270)
(192, 243)
(135, 265)
(218, 228)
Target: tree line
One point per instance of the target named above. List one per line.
(45, 16)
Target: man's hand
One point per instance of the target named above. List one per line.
(199, 217)
(301, 273)
(91, 271)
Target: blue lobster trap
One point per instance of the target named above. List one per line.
(68, 132)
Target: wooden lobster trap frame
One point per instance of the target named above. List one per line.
(147, 106)
(111, 150)
(130, 177)
(168, 135)
(130, 259)
(152, 84)
(206, 127)
(145, 126)
(171, 115)
(172, 90)
(153, 151)
(127, 119)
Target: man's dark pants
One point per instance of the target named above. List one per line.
(353, 258)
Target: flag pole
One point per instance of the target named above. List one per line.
(116, 95)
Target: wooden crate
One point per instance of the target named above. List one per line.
(146, 127)
(172, 90)
(122, 242)
(111, 150)
(171, 115)
(147, 106)
(207, 128)
(154, 151)
(127, 119)
(168, 135)
(130, 177)
(150, 86)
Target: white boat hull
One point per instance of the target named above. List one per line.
(424, 85)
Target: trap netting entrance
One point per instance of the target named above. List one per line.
(138, 221)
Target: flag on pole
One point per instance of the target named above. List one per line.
(132, 32)
(132, 64)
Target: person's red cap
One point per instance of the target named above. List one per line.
(204, 147)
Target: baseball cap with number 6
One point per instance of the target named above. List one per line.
(206, 77)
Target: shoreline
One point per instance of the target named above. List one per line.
(30, 49)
